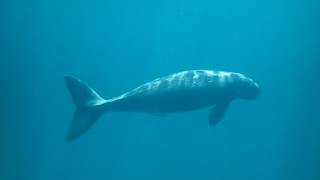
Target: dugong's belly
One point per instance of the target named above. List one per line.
(166, 102)
(175, 93)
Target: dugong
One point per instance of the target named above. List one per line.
(178, 92)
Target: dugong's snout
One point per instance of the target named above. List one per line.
(253, 90)
(247, 89)
(256, 90)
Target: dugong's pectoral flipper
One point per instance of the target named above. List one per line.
(217, 112)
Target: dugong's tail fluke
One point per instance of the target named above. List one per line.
(87, 103)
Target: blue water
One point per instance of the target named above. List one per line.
(115, 46)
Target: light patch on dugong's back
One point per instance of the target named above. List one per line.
(224, 77)
(185, 79)
(218, 78)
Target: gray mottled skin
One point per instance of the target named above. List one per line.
(185, 91)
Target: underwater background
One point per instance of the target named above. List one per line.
(115, 46)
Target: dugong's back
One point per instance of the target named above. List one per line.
(181, 91)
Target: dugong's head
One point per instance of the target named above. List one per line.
(244, 87)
